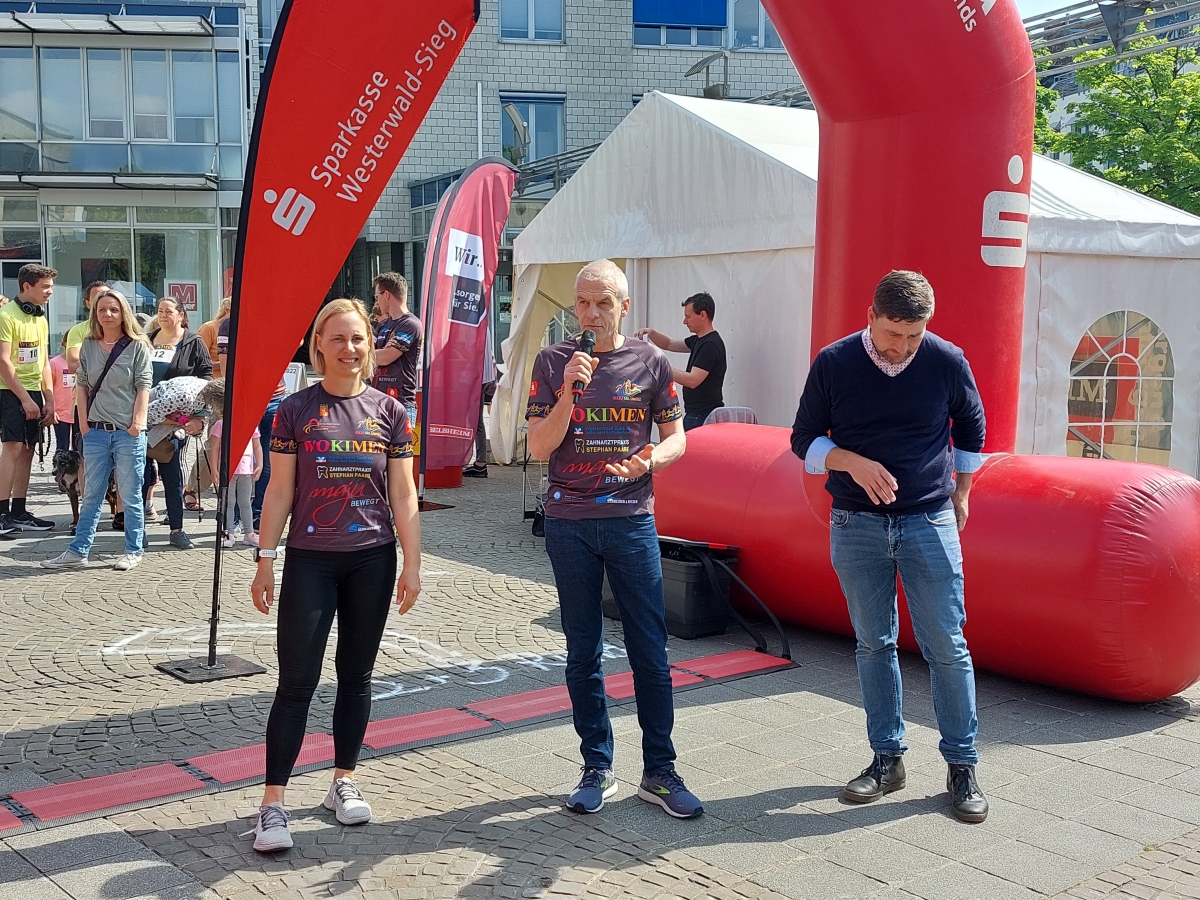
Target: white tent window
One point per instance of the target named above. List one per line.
(1121, 397)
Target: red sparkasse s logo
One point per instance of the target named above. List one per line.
(533, 388)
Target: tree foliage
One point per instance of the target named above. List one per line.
(1138, 124)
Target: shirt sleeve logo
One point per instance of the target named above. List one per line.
(533, 388)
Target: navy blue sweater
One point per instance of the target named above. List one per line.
(901, 422)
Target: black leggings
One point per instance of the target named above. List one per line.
(358, 585)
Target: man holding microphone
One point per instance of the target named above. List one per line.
(590, 416)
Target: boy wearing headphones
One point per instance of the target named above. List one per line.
(26, 393)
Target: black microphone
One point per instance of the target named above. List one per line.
(587, 343)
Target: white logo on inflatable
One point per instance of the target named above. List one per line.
(293, 212)
(1012, 203)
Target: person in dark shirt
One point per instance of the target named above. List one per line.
(704, 377)
(343, 475)
(878, 413)
(397, 343)
(599, 517)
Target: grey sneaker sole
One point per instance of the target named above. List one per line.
(332, 806)
(284, 842)
(608, 793)
(51, 564)
(659, 801)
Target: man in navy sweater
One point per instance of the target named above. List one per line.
(878, 413)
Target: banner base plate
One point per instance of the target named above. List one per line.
(197, 669)
(430, 506)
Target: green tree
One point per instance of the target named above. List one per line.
(1045, 138)
(1140, 130)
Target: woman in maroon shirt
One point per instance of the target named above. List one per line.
(341, 466)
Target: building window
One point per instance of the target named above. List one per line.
(543, 117)
(106, 94)
(679, 23)
(112, 111)
(1121, 396)
(752, 30)
(667, 36)
(531, 20)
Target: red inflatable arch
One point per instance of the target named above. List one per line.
(1080, 573)
(926, 114)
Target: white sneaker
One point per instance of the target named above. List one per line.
(66, 560)
(271, 833)
(346, 802)
(127, 562)
(229, 542)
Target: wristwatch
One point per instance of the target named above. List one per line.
(261, 553)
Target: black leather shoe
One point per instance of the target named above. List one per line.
(884, 775)
(967, 799)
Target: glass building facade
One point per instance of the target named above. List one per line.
(123, 133)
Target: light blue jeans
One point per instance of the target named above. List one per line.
(104, 451)
(868, 550)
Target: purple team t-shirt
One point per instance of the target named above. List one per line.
(399, 379)
(341, 445)
(631, 388)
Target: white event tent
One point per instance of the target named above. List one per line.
(690, 195)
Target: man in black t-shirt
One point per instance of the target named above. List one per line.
(397, 343)
(704, 376)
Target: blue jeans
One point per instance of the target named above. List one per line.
(264, 431)
(693, 420)
(580, 552)
(172, 479)
(868, 549)
(104, 451)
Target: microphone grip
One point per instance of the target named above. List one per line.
(587, 344)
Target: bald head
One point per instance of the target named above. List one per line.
(607, 273)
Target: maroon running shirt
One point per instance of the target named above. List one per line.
(631, 387)
(341, 445)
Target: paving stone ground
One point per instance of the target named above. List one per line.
(1090, 798)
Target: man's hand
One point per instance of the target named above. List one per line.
(634, 467)
(869, 475)
(960, 509)
(49, 416)
(579, 368)
(135, 429)
(31, 409)
(962, 490)
(194, 426)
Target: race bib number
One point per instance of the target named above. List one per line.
(163, 355)
(27, 354)
(68, 381)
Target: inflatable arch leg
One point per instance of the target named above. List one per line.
(926, 114)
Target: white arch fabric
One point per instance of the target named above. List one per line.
(695, 194)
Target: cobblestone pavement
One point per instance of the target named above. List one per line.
(1090, 799)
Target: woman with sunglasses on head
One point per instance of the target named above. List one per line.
(177, 351)
(341, 466)
(112, 391)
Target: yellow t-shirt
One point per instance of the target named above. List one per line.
(27, 337)
(78, 332)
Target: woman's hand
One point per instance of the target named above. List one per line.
(407, 588)
(194, 426)
(262, 589)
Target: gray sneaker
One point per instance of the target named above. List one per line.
(66, 560)
(271, 833)
(182, 541)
